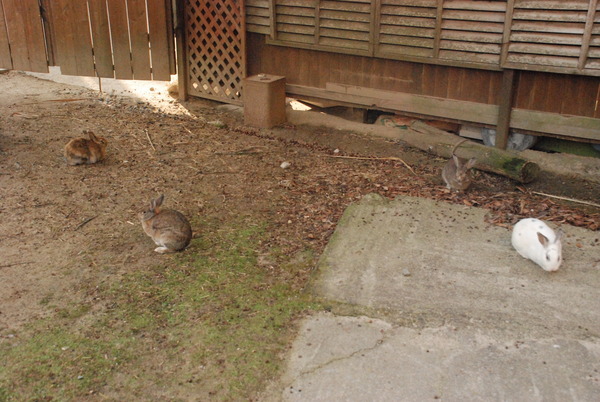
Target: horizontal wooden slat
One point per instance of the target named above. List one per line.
(473, 26)
(416, 3)
(409, 11)
(564, 39)
(297, 29)
(553, 4)
(470, 57)
(408, 21)
(264, 21)
(346, 6)
(474, 37)
(257, 3)
(260, 29)
(336, 42)
(256, 11)
(346, 25)
(473, 16)
(542, 60)
(567, 27)
(286, 19)
(345, 15)
(300, 11)
(557, 15)
(407, 31)
(406, 41)
(290, 37)
(476, 5)
(297, 3)
(342, 34)
(384, 49)
(470, 47)
(551, 50)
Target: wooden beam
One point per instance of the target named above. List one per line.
(587, 34)
(182, 57)
(570, 127)
(507, 92)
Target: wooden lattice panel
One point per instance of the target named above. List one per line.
(215, 49)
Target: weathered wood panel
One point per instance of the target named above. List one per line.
(101, 38)
(119, 31)
(5, 59)
(72, 39)
(556, 104)
(24, 27)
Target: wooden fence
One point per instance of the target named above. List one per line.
(527, 65)
(125, 39)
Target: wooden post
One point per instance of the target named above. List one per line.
(505, 108)
(182, 57)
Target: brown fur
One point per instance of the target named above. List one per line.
(81, 150)
(168, 228)
(456, 173)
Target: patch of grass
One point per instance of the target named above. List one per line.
(210, 322)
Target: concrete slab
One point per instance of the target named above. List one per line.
(461, 316)
(443, 262)
(331, 361)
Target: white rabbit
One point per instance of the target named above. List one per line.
(535, 240)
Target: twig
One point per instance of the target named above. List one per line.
(566, 199)
(15, 263)
(390, 158)
(247, 151)
(149, 140)
(85, 222)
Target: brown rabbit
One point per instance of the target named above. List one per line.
(456, 172)
(80, 150)
(169, 229)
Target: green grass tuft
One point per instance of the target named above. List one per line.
(210, 322)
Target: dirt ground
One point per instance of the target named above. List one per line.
(66, 229)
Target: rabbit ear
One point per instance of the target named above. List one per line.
(471, 163)
(559, 235)
(543, 239)
(157, 202)
(92, 136)
(456, 160)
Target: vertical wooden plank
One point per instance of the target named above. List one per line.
(243, 45)
(159, 39)
(510, 6)
(138, 35)
(273, 18)
(73, 41)
(375, 27)
(63, 38)
(440, 79)
(117, 14)
(24, 28)
(587, 34)
(555, 84)
(455, 82)
(505, 108)
(525, 92)
(437, 36)
(182, 56)
(5, 59)
(101, 38)
(46, 12)
(171, 35)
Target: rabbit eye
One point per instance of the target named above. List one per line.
(547, 258)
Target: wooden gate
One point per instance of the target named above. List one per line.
(124, 39)
(215, 47)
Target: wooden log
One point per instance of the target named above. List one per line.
(489, 159)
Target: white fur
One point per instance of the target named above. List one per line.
(527, 242)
